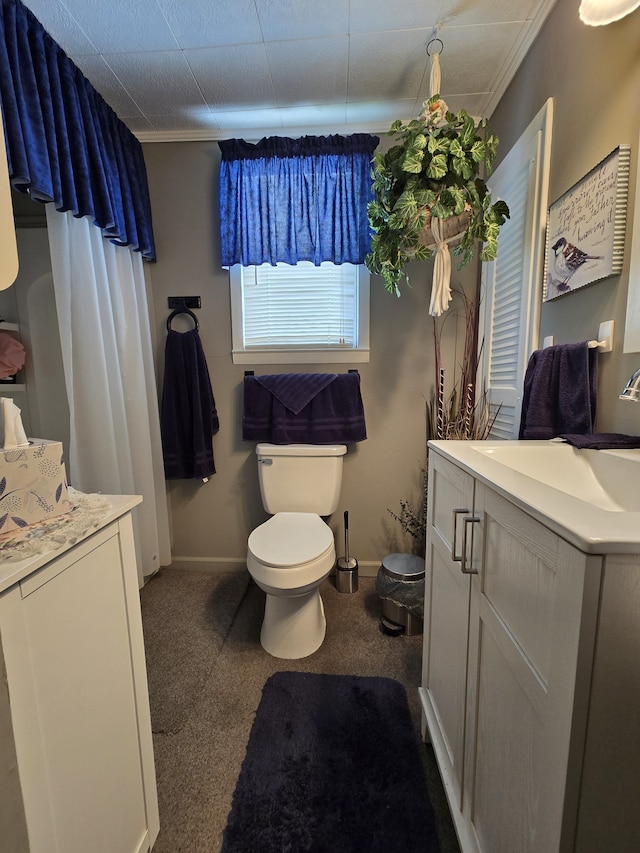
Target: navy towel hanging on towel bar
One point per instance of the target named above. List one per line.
(188, 417)
(560, 392)
(303, 408)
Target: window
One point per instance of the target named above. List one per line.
(300, 313)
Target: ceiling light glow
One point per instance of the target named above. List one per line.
(597, 13)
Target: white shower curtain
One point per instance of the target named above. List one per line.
(103, 316)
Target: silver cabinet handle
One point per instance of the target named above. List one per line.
(467, 570)
(456, 513)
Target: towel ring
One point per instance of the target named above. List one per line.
(182, 311)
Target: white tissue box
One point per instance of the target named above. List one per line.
(33, 484)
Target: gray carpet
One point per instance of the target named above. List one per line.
(206, 673)
(186, 619)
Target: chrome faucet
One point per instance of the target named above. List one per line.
(632, 388)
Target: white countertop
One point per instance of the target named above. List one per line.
(593, 529)
(24, 551)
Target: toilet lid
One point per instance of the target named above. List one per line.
(290, 539)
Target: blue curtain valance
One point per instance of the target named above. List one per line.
(286, 200)
(64, 143)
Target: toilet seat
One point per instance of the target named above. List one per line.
(290, 539)
(288, 557)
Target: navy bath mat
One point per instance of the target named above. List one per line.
(332, 764)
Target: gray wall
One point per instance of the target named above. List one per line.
(211, 522)
(593, 75)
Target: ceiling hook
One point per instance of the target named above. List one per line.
(434, 41)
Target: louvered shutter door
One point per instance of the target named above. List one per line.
(513, 282)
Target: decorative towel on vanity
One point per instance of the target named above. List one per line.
(188, 417)
(603, 441)
(303, 408)
(560, 392)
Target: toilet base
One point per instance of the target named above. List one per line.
(293, 626)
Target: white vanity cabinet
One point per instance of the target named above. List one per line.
(520, 701)
(71, 637)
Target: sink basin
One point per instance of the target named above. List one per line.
(604, 478)
(589, 497)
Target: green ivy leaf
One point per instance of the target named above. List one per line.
(468, 132)
(413, 161)
(420, 142)
(424, 197)
(437, 168)
(502, 211)
(423, 253)
(455, 198)
(456, 149)
(441, 211)
(406, 205)
(462, 167)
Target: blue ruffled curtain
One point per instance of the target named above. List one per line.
(288, 200)
(64, 143)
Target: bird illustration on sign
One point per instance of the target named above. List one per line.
(567, 260)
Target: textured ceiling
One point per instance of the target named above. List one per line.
(213, 69)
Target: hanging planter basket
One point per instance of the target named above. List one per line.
(440, 158)
(453, 230)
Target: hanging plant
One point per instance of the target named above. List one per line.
(430, 193)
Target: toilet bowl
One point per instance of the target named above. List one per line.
(293, 552)
(288, 557)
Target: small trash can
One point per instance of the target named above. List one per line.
(400, 585)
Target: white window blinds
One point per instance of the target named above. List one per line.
(302, 313)
(300, 306)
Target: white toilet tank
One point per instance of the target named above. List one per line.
(300, 477)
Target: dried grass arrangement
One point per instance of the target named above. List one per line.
(464, 413)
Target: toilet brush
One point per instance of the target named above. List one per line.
(346, 567)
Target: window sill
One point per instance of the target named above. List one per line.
(302, 356)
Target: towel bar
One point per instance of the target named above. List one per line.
(252, 372)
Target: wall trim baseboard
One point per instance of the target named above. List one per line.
(220, 565)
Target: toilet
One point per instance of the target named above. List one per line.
(294, 551)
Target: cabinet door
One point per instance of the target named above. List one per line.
(531, 641)
(446, 619)
(67, 632)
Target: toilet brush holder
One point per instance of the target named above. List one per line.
(347, 575)
(346, 567)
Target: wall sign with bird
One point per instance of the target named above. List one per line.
(586, 227)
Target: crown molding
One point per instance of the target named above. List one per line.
(255, 134)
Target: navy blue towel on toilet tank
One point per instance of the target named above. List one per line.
(188, 416)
